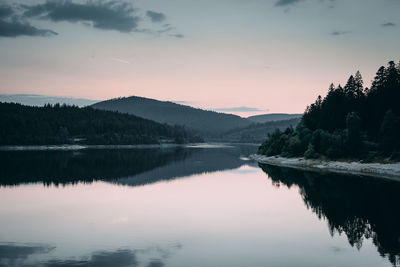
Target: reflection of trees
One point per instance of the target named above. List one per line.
(123, 166)
(66, 167)
(361, 208)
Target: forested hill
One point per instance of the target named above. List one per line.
(351, 121)
(202, 121)
(255, 133)
(25, 125)
(273, 117)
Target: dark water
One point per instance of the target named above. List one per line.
(189, 207)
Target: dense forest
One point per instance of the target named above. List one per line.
(350, 122)
(62, 124)
(255, 133)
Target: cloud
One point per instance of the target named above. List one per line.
(155, 16)
(337, 33)
(5, 11)
(111, 15)
(120, 60)
(16, 28)
(388, 24)
(13, 25)
(241, 109)
(182, 102)
(100, 14)
(286, 2)
(178, 35)
(155, 263)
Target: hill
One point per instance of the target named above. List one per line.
(349, 122)
(273, 117)
(47, 125)
(208, 123)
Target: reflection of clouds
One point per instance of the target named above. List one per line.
(337, 249)
(245, 171)
(119, 258)
(14, 254)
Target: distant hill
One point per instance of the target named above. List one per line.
(41, 100)
(273, 117)
(256, 132)
(201, 121)
(61, 124)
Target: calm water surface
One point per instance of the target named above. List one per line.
(189, 207)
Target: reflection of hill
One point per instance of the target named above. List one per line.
(361, 208)
(141, 166)
(198, 161)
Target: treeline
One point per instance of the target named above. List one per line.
(62, 124)
(350, 122)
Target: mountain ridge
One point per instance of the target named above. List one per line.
(206, 122)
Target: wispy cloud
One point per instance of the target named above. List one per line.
(338, 33)
(120, 60)
(388, 24)
(286, 2)
(178, 35)
(241, 109)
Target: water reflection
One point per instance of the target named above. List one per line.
(361, 208)
(135, 166)
(15, 254)
(12, 254)
(219, 207)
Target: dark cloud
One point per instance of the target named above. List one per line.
(155, 263)
(286, 2)
(388, 24)
(155, 16)
(101, 14)
(111, 15)
(241, 109)
(5, 11)
(16, 28)
(13, 25)
(337, 33)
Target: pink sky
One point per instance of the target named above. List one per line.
(252, 54)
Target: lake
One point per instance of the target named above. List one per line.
(189, 206)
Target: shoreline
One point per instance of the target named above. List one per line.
(139, 146)
(388, 171)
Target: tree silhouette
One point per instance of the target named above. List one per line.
(352, 121)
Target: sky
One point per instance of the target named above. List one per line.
(240, 56)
